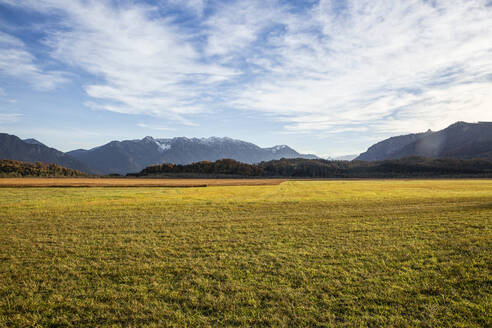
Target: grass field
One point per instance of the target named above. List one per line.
(299, 254)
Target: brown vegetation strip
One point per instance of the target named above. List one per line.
(98, 182)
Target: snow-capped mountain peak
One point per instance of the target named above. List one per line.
(134, 155)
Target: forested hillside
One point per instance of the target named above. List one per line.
(33, 151)
(11, 168)
(318, 168)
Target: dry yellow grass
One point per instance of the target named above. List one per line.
(371, 253)
(98, 182)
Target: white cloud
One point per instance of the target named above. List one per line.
(398, 65)
(145, 64)
(16, 61)
(9, 117)
(369, 66)
(155, 127)
(234, 26)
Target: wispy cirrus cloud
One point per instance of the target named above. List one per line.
(328, 66)
(10, 117)
(146, 66)
(236, 29)
(155, 127)
(393, 66)
(16, 61)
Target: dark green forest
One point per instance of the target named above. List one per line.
(410, 167)
(319, 168)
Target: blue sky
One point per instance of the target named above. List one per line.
(325, 77)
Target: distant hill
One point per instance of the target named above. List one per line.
(33, 142)
(134, 155)
(460, 140)
(10, 168)
(13, 148)
(319, 168)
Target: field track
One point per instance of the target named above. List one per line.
(94, 182)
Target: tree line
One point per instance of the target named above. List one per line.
(14, 169)
(319, 168)
(287, 168)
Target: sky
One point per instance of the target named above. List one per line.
(324, 77)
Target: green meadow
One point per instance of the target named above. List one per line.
(382, 253)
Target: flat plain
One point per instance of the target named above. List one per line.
(391, 253)
(131, 182)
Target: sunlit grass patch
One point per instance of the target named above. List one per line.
(302, 253)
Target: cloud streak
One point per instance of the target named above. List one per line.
(16, 61)
(328, 67)
(10, 117)
(146, 65)
(394, 66)
(155, 127)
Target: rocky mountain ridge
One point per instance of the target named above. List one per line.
(460, 140)
(32, 151)
(134, 155)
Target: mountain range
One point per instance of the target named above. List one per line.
(134, 155)
(31, 150)
(460, 140)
